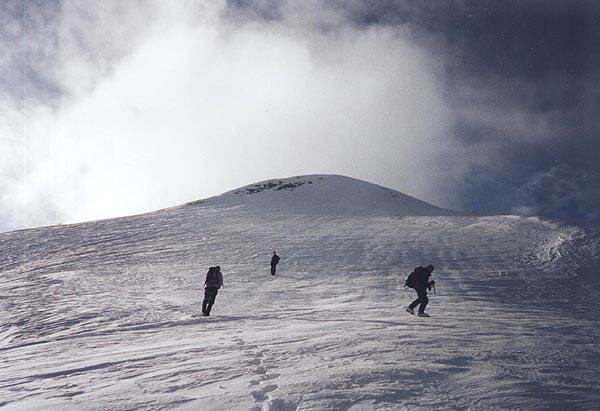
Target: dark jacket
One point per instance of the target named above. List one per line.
(422, 278)
(274, 259)
(214, 278)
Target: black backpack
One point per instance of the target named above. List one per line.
(411, 281)
(211, 277)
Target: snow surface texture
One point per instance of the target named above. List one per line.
(104, 315)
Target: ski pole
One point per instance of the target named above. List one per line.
(434, 289)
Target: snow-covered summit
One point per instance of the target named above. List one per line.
(326, 194)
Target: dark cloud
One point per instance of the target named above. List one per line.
(511, 37)
(524, 80)
(563, 193)
(524, 77)
(530, 117)
(520, 38)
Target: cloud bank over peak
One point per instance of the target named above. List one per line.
(181, 101)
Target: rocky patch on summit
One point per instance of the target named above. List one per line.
(271, 185)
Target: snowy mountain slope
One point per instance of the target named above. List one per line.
(325, 194)
(101, 315)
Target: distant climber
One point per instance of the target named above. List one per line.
(274, 262)
(419, 280)
(214, 281)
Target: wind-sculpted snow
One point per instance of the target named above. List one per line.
(104, 315)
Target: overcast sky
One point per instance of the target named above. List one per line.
(119, 107)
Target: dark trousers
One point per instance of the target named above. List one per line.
(422, 299)
(273, 266)
(210, 293)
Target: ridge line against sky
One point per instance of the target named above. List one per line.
(116, 108)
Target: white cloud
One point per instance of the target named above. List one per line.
(192, 106)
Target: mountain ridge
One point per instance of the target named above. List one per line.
(328, 194)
